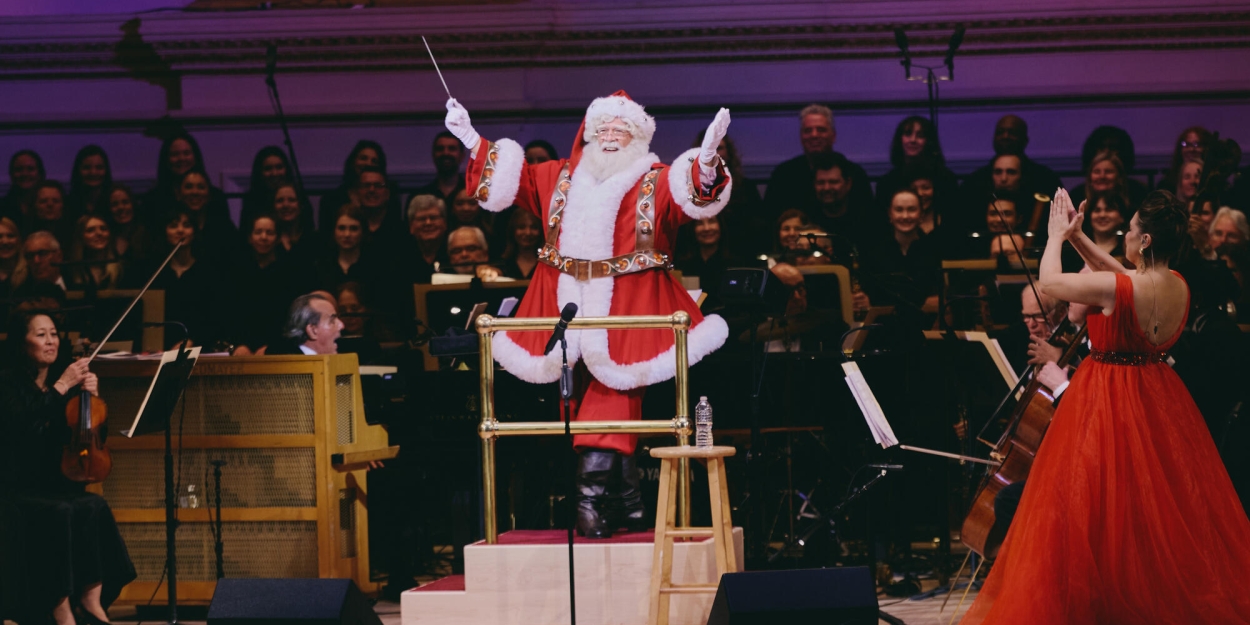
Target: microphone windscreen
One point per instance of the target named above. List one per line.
(570, 310)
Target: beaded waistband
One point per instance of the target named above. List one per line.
(1128, 358)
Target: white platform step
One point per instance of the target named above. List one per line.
(524, 581)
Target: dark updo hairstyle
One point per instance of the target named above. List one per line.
(1165, 219)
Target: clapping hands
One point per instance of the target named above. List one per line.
(1065, 221)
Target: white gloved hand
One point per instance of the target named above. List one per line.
(457, 122)
(708, 159)
(712, 138)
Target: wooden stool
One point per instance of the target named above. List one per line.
(666, 529)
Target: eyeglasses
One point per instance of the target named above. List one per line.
(373, 185)
(608, 132)
(38, 253)
(427, 219)
(1191, 144)
(1035, 317)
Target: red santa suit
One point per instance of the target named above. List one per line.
(630, 219)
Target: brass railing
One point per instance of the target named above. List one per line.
(489, 429)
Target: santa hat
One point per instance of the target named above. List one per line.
(619, 105)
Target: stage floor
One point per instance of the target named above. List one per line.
(920, 612)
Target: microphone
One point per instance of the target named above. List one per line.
(168, 324)
(566, 315)
(956, 39)
(900, 38)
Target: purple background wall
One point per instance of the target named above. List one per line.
(527, 70)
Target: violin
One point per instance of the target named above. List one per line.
(85, 458)
(1015, 450)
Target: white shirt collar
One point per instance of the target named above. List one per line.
(308, 351)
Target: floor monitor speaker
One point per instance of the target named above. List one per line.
(290, 601)
(838, 596)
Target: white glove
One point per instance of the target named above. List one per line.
(457, 122)
(711, 140)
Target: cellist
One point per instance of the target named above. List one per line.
(1043, 355)
(61, 554)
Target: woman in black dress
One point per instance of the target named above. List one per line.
(89, 182)
(62, 556)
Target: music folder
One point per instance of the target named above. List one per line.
(163, 394)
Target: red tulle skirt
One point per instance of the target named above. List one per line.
(1128, 516)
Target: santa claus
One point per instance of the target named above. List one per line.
(610, 213)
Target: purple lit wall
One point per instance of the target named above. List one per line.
(527, 70)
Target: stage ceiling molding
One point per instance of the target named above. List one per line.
(560, 34)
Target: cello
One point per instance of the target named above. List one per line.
(1014, 451)
(84, 458)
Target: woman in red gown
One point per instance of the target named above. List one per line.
(1129, 516)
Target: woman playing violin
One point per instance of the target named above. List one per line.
(61, 555)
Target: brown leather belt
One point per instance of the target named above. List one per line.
(585, 270)
(642, 259)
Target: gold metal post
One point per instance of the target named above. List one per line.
(486, 364)
(490, 428)
(681, 328)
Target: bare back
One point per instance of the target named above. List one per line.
(1160, 299)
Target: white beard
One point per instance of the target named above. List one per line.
(603, 165)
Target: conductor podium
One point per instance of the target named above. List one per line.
(292, 432)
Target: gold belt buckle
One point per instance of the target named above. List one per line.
(581, 270)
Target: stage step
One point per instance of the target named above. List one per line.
(523, 580)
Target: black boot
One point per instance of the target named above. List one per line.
(632, 513)
(595, 469)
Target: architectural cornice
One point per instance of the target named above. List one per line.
(390, 40)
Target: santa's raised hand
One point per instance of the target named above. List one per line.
(457, 122)
(708, 158)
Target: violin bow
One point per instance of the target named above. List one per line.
(134, 301)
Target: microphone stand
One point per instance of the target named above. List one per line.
(276, 101)
(218, 541)
(566, 395)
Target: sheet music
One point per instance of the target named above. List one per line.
(507, 306)
(478, 309)
(166, 358)
(882, 433)
(1002, 356)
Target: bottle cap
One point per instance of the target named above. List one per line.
(703, 398)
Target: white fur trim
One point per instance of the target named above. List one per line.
(703, 339)
(587, 231)
(526, 366)
(678, 185)
(624, 108)
(506, 180)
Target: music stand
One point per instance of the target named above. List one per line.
(155, 415)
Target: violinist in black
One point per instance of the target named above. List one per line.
(62, 557)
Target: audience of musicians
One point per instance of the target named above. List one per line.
(99, 235)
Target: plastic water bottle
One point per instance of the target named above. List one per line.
(703, 423)
(190, 498)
